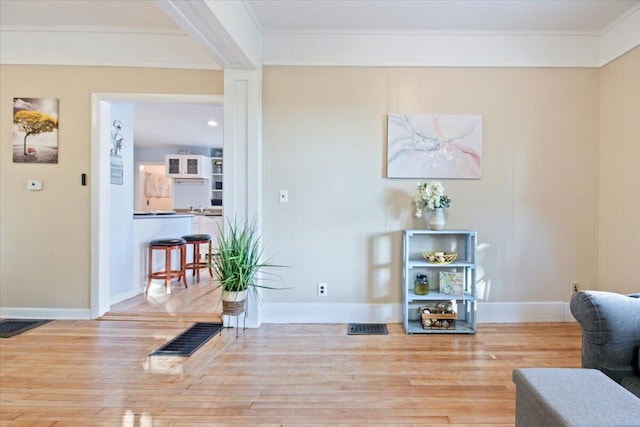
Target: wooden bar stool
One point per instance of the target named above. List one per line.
(168, 245)
(196, 240)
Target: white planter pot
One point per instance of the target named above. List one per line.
(233, 303)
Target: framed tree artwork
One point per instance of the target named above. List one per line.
(35, 130)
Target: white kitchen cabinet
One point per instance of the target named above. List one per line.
(461, 294)
(203, 224)
(207, 224)
(211, 225)
(188, 166)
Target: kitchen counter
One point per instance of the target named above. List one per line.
(162, 216)
(206, 212)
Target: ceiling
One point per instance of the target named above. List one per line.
(583, 16)
(576, 16)
(158, 123)
(162, 124)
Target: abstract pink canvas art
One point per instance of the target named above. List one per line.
(434, 146)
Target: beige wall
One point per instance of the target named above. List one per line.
(535, 208)
(619, 263)
(45, 236)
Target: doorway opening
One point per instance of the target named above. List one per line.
(102, 235)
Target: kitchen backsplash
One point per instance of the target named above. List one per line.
(194, 194)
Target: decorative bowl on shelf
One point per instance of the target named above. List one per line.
(439, 257)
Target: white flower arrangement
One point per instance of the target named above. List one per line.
(431, 195)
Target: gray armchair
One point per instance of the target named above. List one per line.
(610, 325)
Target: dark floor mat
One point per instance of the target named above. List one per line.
(367, 329)
(11, 327)
(190, 340)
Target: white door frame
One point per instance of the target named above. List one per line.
(100, 182)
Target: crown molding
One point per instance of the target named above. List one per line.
(620, 37)
(89, 29)
(117, 49)
(217, 35)
(432, 33)
(453, 48)
(432, 50)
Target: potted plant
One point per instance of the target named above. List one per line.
(236, 263)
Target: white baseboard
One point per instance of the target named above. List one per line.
(488, 312)
(114, 299)
(45, 313)
(523, 312)
(331, 313)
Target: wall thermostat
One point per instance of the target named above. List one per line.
(34, 185)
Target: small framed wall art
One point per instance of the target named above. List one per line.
(115, 157)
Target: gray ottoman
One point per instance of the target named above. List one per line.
(550, 397)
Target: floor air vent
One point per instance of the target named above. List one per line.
(190, 340)
(11, 327)
(367, 329)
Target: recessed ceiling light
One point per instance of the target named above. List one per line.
(212, 123)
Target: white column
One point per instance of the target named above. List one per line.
(242, 198)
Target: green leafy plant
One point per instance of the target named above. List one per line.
(238, 258)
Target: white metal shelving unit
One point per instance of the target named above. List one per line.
(414, 243)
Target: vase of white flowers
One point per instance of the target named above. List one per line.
(431, 196)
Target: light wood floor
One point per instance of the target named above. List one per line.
(84, 373)
(200, 302)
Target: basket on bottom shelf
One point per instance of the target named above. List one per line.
(441, 316)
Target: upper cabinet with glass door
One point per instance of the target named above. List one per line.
(188, 166)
